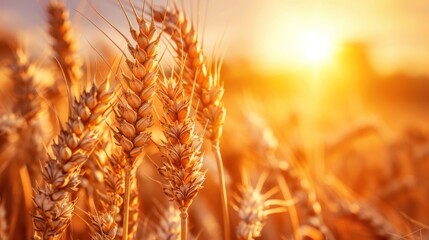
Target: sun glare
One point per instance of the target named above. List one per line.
(315, 46)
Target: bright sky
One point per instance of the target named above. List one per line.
(271, 31)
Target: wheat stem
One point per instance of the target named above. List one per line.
(126, 202)
(184, 223)
(292, 210)
(221, 175)
(284, 189)
(3, 222)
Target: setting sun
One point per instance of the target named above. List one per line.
(315, 46)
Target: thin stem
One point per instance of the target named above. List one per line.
(184, 223)
(26, 188)
(216, 151)
(292, 210)
(284, 189)
(126, 202)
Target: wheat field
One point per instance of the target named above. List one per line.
(152, 135)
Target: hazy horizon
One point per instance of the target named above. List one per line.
(268, 33)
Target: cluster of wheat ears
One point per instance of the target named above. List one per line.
(91, 165)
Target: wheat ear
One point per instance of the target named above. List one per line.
(254, 207)
(28, 106)
(290, 181)
(181, 168)
(134, 115)
(105, 223)
(169, 224)
(206, 88)
(370, 218)
(264, 143)
(27, 103)
(63, 44)
(198, 81)
(61, 173)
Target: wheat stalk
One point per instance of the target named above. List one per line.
(61, 174)
(64, 45)
(199, 82)
(104, 223)
(181, 168)
(374, 221)
(290, 181)
(28, 106)
(133, 115)
(264, 143)
(113, 199)
(3, 223)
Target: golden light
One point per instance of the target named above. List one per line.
(315, 46)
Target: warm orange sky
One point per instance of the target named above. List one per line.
(268, 31)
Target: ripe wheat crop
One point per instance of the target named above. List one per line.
(149, 151)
